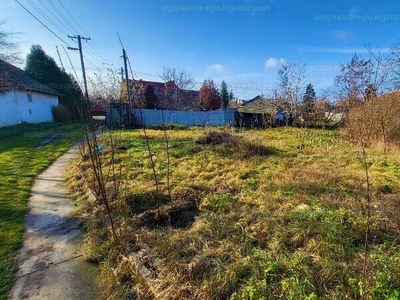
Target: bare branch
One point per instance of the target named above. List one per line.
(180, 77)
(291, 83)
(8, 50)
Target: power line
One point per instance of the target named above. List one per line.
(70, 62)
(58, 20)
(62, 17)
(94, 46)
(90, 50)
(42, 23)
(72, 18)
(44, 15)
(101, 52)
(91, 63)
(73, 28)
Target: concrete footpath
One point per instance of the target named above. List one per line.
(50, 263)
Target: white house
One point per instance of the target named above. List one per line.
(23, 99)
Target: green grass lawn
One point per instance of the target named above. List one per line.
(282, 216)
(22, 157)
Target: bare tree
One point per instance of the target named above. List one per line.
(354, 78)
(8, 49)
(362, 87)
(379, 72)
(291, 83)
(181, 79)
(106, 85)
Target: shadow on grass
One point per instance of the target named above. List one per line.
(145, 201)
(181, 214)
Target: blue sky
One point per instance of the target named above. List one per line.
(244, 42)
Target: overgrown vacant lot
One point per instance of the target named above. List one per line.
(263, 214)
(25, 151)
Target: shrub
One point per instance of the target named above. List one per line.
(61, 114)
(375, 121)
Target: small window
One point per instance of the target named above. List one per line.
(30, 111)
(29, 97)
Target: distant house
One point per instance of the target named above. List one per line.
(259, 112)
(23, 99)
(169, 95)
(98, 108)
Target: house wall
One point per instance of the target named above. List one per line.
(15, 107)
(152, 117)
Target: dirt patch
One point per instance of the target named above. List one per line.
(182, 213)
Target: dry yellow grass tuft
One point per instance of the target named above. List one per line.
(264, 214)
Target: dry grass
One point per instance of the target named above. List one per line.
(277, 213)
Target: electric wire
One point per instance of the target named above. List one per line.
(44, 15)
(37, 19)
(72, 66)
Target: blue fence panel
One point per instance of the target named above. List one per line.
(153, 117)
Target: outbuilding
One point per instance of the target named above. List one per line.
(23, 99)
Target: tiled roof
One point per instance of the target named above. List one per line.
(259, 105)
(12, 77)
(169, 95)
(156, 85)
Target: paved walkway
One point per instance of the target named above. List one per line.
(50, 263)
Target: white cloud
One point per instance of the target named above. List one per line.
(273, 62)
(343, 35)
(217, 68)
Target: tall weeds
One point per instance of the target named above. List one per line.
(152, 162)
(368, 207)
(372, 123)
(375, 122)
(91, 149)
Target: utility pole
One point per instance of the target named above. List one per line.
(127, 83)
(59, 57)
(82, 62)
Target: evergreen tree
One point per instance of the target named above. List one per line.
(309, 99)
(44, 69)
(231, 96)
(224, 94)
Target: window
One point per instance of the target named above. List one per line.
(29, 97)
(30, 111)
